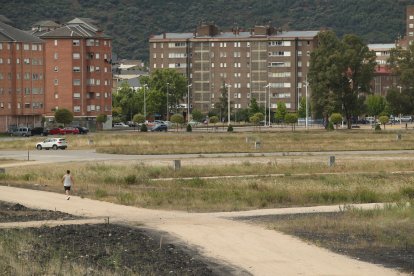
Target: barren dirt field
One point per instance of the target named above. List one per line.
(119, 249)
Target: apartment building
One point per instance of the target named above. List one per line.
(22, 78)
(78, 70)
(383, 77)
(263, 63)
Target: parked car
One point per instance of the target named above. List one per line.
(70, 130)
(56, 131)
(406, 119)
(168, 124)
(52, 143)
(21, 131)
(83, 130)
(193, 123)
(160, 127)
(120, 125)
(40, 131)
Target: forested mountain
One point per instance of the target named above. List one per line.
(131, 22)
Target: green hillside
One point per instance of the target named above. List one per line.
(131, 22)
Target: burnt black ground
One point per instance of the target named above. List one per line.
(122, 249)
(359, 247)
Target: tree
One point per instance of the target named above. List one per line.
(197, 115)
(254, 107)
(291, 118)
(340, 71)
(302, 108)
(156, 90)
(222, 104)
(214, 120)
(281, 112)
(125, 102)
(101, 119)
(401, 62)
(255, 120)
(139, 119)
(375, 105)
(177, 119)
(384, 120)
(335, 118)
(63, 116)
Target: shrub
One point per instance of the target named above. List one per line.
(377, 127)
(99, 193)
(330, 126)
(130, 179)
(230, 128)
(189, 128)
(144, 128)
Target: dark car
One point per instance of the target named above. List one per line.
(82, 130)
(40, 131)
(160, 127)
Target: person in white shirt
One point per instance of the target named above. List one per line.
(68, 182)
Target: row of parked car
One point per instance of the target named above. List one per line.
(27, 131)
(157, 125)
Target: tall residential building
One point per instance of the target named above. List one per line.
(383, 77)
(263, 63)
(22, 78)
(78, 69)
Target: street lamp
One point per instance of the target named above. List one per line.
(228, 104)
(188, 102)
(145, 101)
(167, 100)
(265, 119)
(306, 102)
(400, 87)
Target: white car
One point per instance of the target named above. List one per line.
(120, 125)
(52, 143)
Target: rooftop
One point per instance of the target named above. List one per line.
(11, 34)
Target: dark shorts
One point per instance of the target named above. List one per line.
(67, 188)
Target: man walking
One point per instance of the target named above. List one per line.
(68, 182)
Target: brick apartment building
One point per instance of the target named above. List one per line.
(22, 78)
(262, 63)
(78, 70)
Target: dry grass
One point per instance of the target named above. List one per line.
(183, 142)
(133, 184)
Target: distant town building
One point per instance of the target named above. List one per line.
(78, 69)
(263, 63)
(383, 79)
(22, 78)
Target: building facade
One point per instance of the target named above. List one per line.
(263, 63)
(78, 70)
(22, 78)
(383, 78)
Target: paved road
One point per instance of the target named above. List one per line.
(51, 156)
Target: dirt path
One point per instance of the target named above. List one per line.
(252, 248)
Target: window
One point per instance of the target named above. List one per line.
(76, 69)
(26, 61)
(27, 91)
(236, 44)
(17, 47)
(1, 46)
(90, 42)
(96, 42)
(37, 105)
(411, 17)
(177, 55)
(98, 82)
(236, 54)
(55, 55)
(76, 56)
(27, 76)
(90, 68)
(98, 69)
(76, 108)
(26, 47)
(56, 95)
(279, 64)
(55, 81)
(280, 75)
(1, 61)
(76, 82)
(1, 76)
(56, 69)
(279, 43)
(176, 45)
(35, 76)
(37, 90)
(97, 55)
(56, 42)
(280, 54)
(75, 42)
(34, 47)
(76, 95)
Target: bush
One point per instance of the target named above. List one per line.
(230, 128)
(377, 127)
(189, 128)
(330, 126)
(144, 128)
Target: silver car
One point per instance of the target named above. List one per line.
(52, 143)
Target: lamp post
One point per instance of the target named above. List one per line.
(168, 111)
(145, 101)
(400, 87)
(228, 104)
(265, 119)
(188, 102)
(306, 103)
